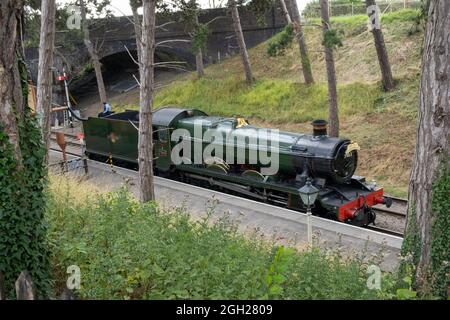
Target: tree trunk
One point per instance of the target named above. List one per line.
(241, 42)
(199, 56)
(199, 63)
(45, 78)
(331, 74)
(137, 31)
(383, 59)
(432, 147)
(146, 188)
(304, 56)
(94, 55)
(285, 12)
(25, 289)
(11, 99)
(23, 244)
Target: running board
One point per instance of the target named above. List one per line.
(228, 185)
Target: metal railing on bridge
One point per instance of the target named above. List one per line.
(348, 8)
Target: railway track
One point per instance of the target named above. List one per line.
(69, 153)
(392, 220)
(389, 221)
(392, 213)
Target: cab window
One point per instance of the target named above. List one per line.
(163, 134)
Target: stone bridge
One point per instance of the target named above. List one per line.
(117, 35)
(119, 32)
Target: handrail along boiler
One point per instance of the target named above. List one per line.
(329, 162)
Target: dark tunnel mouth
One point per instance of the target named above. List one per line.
(118, 70)
(114, 66)
(128, 60)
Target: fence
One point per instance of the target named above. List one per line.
(348, 9)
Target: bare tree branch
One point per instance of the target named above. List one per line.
(131, 56)
(216, 18)
(169, 41)
(169, 62)
(165, 24)
(136, 80)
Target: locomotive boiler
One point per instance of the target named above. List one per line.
(231, 155)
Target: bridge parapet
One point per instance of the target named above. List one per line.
(169, 25)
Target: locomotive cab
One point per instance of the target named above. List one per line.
(164, 122)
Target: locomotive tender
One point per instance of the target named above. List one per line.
(330, 163)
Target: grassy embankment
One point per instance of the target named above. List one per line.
(130, 251)
(382, 123)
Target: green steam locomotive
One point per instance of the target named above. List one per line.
(259, 163)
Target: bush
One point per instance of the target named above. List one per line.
(130, 251)
(283, 40)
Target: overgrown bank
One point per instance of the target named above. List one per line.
(130, 251)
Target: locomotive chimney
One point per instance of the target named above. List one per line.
(319, 128)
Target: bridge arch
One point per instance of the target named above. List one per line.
(120, 72)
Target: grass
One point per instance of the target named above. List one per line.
(126, 250)
(278, 100)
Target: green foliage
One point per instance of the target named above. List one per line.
(260, 8)
(189, 10)
(440, 239)
(275, 278)
(69, 38)
(200, 37)
(277, 45)
(98, 8)
(405, 15)
(189, 17)
(411, 247)
(397, 22)
(85, 70)
(23, 243)
(332, 39)
(406, 293)
(131, 251)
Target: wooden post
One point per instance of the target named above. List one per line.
(60, 139)
(24, 287)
